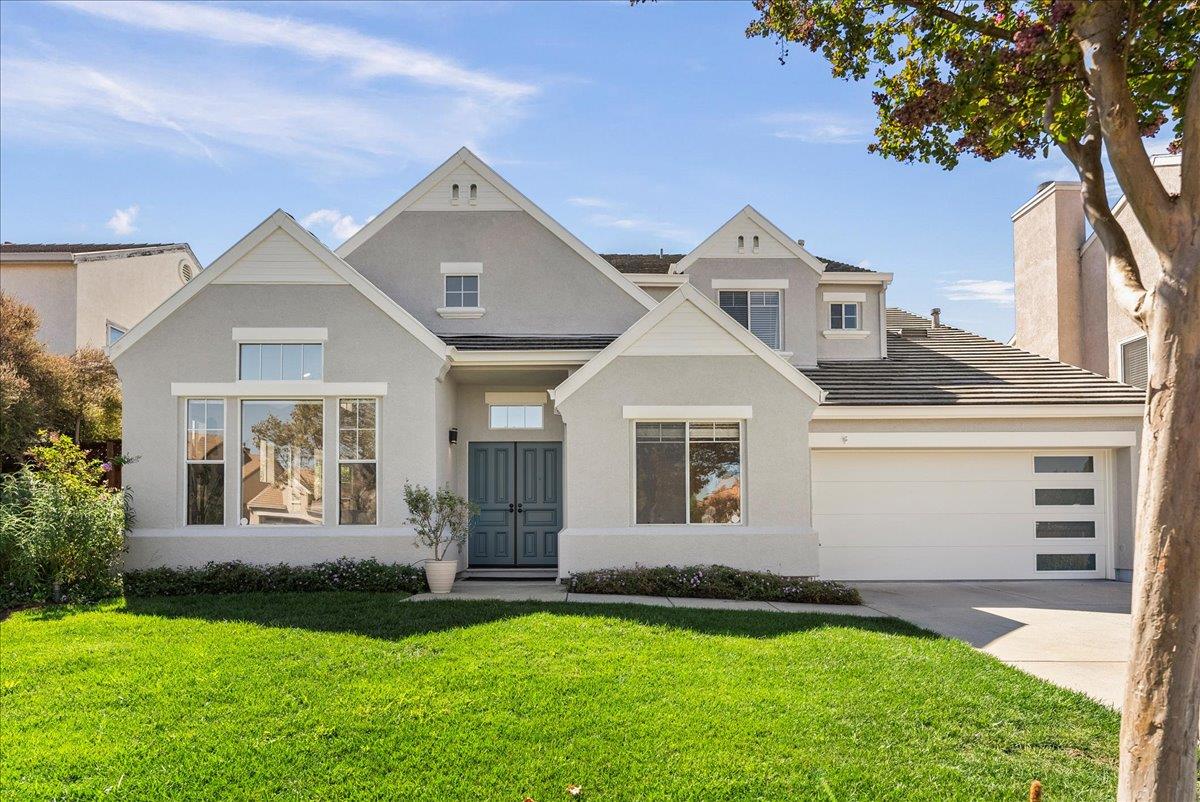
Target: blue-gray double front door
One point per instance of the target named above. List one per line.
(518, 488)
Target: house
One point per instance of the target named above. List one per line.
(1065, 310)
(746, 403)
(90, 294)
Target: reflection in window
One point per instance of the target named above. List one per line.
(281, 361)
(520, 416)
(282, 474)
(356, 461)
(757, 311)
(112, 333)
(1064, 496)
(689, 473)
(843, 317)
(204, 453)
(462, 291)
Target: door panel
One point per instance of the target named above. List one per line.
(490, 486)
(518, 488)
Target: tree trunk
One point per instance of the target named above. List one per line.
(1162, 689)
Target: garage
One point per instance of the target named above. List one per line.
(962, 513)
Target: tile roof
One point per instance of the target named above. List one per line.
(903, 319)
(528, 342)
(951, 366)
(660, 263)
(77, 247)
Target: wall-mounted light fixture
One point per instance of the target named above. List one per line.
(454, 437)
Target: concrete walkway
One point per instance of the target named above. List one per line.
(1074, 633)
(542, 590)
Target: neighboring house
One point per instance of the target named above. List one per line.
(90, 293)
(1064, 303)
(746, 403)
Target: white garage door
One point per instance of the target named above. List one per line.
(961, 514)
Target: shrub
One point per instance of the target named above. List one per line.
(712, 582)
(61, 531)
(238, 577)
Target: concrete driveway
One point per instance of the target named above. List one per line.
(1074, 633)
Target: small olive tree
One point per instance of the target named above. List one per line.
(441, 518)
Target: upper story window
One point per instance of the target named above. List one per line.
(688, 473)
(1135, 361)
(454, 193)
(844, 317)
(281, 361)
(112, 333)
(462, 292)
(756, 310)
(755, 243)
(515, 416)
(473, 193)
(741, 244)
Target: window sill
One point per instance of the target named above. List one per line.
(460, 312)
(846, 334)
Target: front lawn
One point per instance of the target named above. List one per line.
(343, 695)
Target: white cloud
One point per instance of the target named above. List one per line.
(122, 221)
(989, 291)
(656, 228)
(592, 203)
(340, 226)
(817, 127)
(366, 56)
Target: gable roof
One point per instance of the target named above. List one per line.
(279, 221)
(686, 294)
(643, 263)
(465, 157)
(949, 366)
(750, 213)
(77, 247)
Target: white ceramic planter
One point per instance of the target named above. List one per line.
(440, 575)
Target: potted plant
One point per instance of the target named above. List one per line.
(441, 519)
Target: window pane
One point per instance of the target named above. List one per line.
(1075, 496)
(314, 358)
(764, 317)
(292, 357)
(715, 474)
(1134, 362)
(348, 415)
(272, 362)
(206, 495)
(533, 417)
(1066, 562)
(114, 334)
(470, 299)
(356, 493)
(454, 283)
(282, 449)
(1063, 465)
(737, 305)
(197, 417)
(660, 473)
(214, 415)
(850, 316)
(1086, 529)
(251, 362)
(348, 444)
(499, 417)
(835, 316)
(470, 283)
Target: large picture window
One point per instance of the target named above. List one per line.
(688, 472)
(757, 311)
(282, 473)
(281, 361)
(204, 453)
(357, 466)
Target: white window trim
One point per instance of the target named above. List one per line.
(183, 443)
(460, 312)
(491, 428)
(750, 284)
(338, 462)
(237, 358)
(833, 333)
(846, 334)
(291, 336)
(462, 268)
(324, 460)
(110, 327)
(687, 463)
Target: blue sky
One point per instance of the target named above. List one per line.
(637, 128)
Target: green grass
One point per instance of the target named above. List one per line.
(340, 695)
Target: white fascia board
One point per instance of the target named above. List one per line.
(465, 156)
(856, 278)
(280, 335)
(279, 389)
(462, 268)
(754, 216)
(935, 411)
(687, 412)
(750, 284)
(853, 440)
(1051, 187)
(687, 294)
(519, 358)
(279, 219)
(67, 258)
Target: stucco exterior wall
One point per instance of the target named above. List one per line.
(195, 344)
(831, 347)
(49, 289)
(532, 282)
(600, 532)
(123, 291)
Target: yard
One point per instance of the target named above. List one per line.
(339, 695)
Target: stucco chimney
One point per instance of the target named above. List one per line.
(936, 314)
(1047, 236)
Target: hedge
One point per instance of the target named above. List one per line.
(238, 577)
(712, 582)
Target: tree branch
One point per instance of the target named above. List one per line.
(1189, 190)
(979, 26)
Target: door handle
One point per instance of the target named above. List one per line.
(510, 507)
(520, 508)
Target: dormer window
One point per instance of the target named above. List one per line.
(474, 194)
(844, 317)
(755, 241)
(454, 193)
(741, 244)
